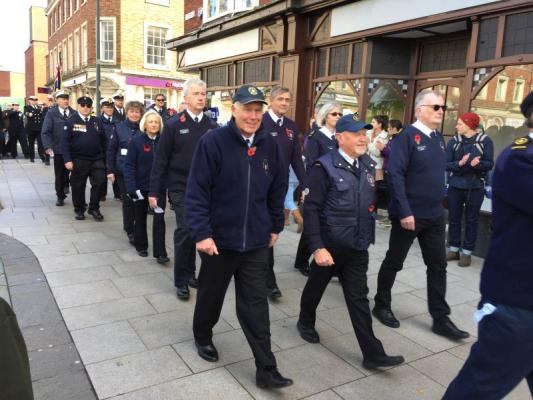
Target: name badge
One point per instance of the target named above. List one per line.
(273, 133)
(184, 131)
(123, 152)
(420, 148)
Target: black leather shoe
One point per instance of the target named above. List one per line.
(386, 317)
(60, 202)
(96, 215)
(79, 216)
(193, 282)
(208, 352)
(271, 379)
(131, 238)
(162, 259)
(32, 160)
(382, 361)
(142, 253)
(275, 293)
(448, 329)
(308, 333)
(183, 292)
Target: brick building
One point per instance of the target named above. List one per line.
(35, 54)
(133, 56)
(11, 87)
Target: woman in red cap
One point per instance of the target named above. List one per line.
(469, 157)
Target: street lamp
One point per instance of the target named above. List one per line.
(97, 57)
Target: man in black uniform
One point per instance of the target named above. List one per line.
(285, 132)
(34, 124)
(339, 213)
(83, 148)
(3, 132)
(161, 107)
(234, 209)
(171, 167)
(119, 114)
(107, 123)
(16, 131)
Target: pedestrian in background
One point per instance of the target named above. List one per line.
(119, 113)
(117, 150)
(51, 134)
(469, 157)
(137, 171)
(34, 124)
(416, 167)
(378, 137)
(15, 119)
(108, 125)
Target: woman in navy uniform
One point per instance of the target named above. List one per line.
(339, 213)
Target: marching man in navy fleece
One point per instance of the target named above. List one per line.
(234, 209)
(416, 171)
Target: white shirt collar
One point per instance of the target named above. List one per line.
(251, 139)
(275, 117)
(531, 135)
(82, 117)
(62, 110)
(348, 159)
(326, 132)
(199, 116)
(423, 128)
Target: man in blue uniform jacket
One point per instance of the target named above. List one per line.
(234, 210)
(339, 211)
(503, 354)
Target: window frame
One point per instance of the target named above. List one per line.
(76, 41)
(70, 51)
(84, 45)
(231, 9)
(147, 65)
(504, 86)
(521, 94)
(164, 3)
(102, 50)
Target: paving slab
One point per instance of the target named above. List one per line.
(78, 276)
(85, 293)
(133, 286)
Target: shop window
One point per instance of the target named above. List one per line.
(151, 92)
(339, 92)
(390, 57)
(257, 70)
(357, 58)
(386, 100)
(322, 59)
(503, 121)
(221, 102)
(238, 73)
(518, 37)
(231, 75)
(486, 42)
(275, 69)
(501, 88)
(216, 76)
(441, 56)
(338, 60)
(451, 95)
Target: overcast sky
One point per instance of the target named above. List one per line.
(15, 32)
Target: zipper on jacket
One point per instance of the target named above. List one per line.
(247, 204)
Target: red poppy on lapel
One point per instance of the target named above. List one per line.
(417, 139)
(147, 148)
(251, 151)
(182, 118)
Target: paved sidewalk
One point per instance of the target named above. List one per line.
(135, 337)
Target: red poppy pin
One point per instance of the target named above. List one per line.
(289, 133)
(417, 139)
(147, 148)
(171, 111)
(251, 151)
(371, 208)
(182, 118)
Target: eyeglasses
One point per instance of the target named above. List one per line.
(336, 114)
(436, 107)
(86, 105)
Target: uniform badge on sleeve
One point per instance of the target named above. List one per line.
(520, 143)
(265, 165)
(370, 180)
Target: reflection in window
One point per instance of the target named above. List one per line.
(503, 121)
(222, 101)
(342, 93)
(386, 101)
(501, 88)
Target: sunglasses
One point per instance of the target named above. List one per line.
(336, 114)
(436, 107)
(86, 105)
(159, 99)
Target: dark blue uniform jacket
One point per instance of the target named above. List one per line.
(318, 144)
(117, 150)
(234, 193)
(138, 166)
(339, 209)
(82, 140)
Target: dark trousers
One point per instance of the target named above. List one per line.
(128, 209)
(32, 137)
(467, 202)
(250, 271)
(61, 176)
(3, 144)
(184, 246)
(17, 135)
(271, 277)
(431, 236)
(302, 254)
(158, 226)
(351, 266)
(499, 360)
(83, 169)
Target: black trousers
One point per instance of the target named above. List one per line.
(351, 266)
(249, 270)
(431, 236)
(17, 135)
(158, 226)
(83, 169)
(62, 179)
(271, 277)
(184, 246)
(32, 137)
(128, 209)
(302, 254)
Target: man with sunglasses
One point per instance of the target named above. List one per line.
(83, 148)
(416, 169)
(160, 106)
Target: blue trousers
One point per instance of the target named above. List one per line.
(500, 359)
(461, 202)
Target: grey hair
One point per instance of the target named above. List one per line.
(324, 111)
(419, 99)
(193, 81)
(142, 124)
(277, 90)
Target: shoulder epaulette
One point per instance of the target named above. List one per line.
(521, 143)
